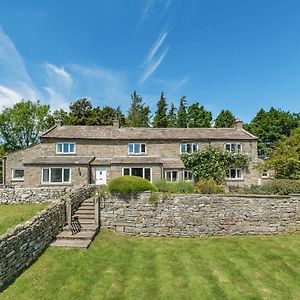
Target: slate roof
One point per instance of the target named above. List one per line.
(136, 160)
(61, 160)
(143, 134)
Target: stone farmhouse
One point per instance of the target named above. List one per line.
(79, 155)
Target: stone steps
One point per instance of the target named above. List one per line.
(83, 229)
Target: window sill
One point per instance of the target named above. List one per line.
(141, 154)
(55, 183)
(18, 180)
(234, 179)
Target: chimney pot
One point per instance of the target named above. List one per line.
(116, 124)
(238, 124)
(57, 122)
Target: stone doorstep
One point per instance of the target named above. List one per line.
(79, 216)
(85, 235)
(83, 227)
(87, 205)
(86, 221)
(85, 211)
(84, 244)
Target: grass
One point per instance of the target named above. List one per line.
(122, 267)
(11, 215)
(174, 187)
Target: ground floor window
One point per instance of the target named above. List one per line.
(140, 172)
(171, 176)
(56, 175)
(234, 174)
(265, 174)
(187, 175)
(18, 174)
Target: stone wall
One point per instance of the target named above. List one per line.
(30, 195)
(201, 215)
(21, 245)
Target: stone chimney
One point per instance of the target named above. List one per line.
(57, 122)
(238, 124)
(116, 124)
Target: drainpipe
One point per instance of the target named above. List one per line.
(4, 171)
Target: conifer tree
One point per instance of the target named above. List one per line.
(198, 116)
(172, 116)
(160, 117)
(182, 119)
(225, 119)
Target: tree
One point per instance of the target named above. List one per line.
(21, 125)
(172, 116)
(62, 116)
(213, 163)
(81, 112)
(107, 115)
(198, 116)
(2, 153)
(182, 119)
(138, 114)
(272, 126)
(284, 159)
(225, 119)
(160, 117)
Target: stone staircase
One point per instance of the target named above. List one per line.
(83, 228)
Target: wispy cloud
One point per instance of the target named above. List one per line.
(153, 59)
(14, 79)
(148, 6)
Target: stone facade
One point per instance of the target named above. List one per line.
(167, 152)
(201, 215)
(30, 195)
(21, 245)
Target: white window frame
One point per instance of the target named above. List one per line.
(62, 147)
(137, 167)
(137, 153)
(185, 144)
(265, 174)
(17, 178)
(236, 147)
(177, 176)
(56, 183)
(236, 178)
(187, 180)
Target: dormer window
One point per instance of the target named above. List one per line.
(136, 148)
(234, 148)
(66, 148)
(188, 148)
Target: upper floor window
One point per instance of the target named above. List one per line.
(235, 148)
(65, 148)
(136, 148)
(188, 148)
(265, 174)
(234, 174)
(18, 174)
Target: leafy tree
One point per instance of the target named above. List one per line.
(107, 115)
(182, 118)
(285, 157)
(2, 153)
(213, 163)
(63, 116)
(21, 125)
(172, 116)
(160, 117)
(139, 113)
(198, 116)
(272, 126)
(81, 112)
(225, 119)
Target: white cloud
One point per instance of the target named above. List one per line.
(156, 46)
(14, 79)
(58, 75)
(147, 8)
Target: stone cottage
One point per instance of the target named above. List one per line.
(78, 155)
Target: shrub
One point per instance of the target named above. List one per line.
(285, 186)
(208, 186)
(154, 198)
(130, 185)
(174, 187)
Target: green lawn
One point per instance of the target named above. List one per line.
(14, 214)
(122, 267)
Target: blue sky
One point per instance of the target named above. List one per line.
(239, 55)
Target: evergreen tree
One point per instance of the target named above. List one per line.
(198, 116)
(182, 119)
(81, 112)
(160, 117)
(225, 119)
(139, 113)
(172, 116)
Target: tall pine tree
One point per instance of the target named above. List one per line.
(182, 119)
(172, 116)
(160, 117)
(139, 113)
(225, 119)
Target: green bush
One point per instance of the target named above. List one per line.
(130, 185)
(276, 186)
(208, 186)
(181, 187)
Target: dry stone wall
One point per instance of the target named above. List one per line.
(200, 215)
(21, 245)
(30, 195)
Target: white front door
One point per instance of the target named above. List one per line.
(100, 175)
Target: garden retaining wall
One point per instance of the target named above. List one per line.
(31, 195)
(21, 245)
(201, 215)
